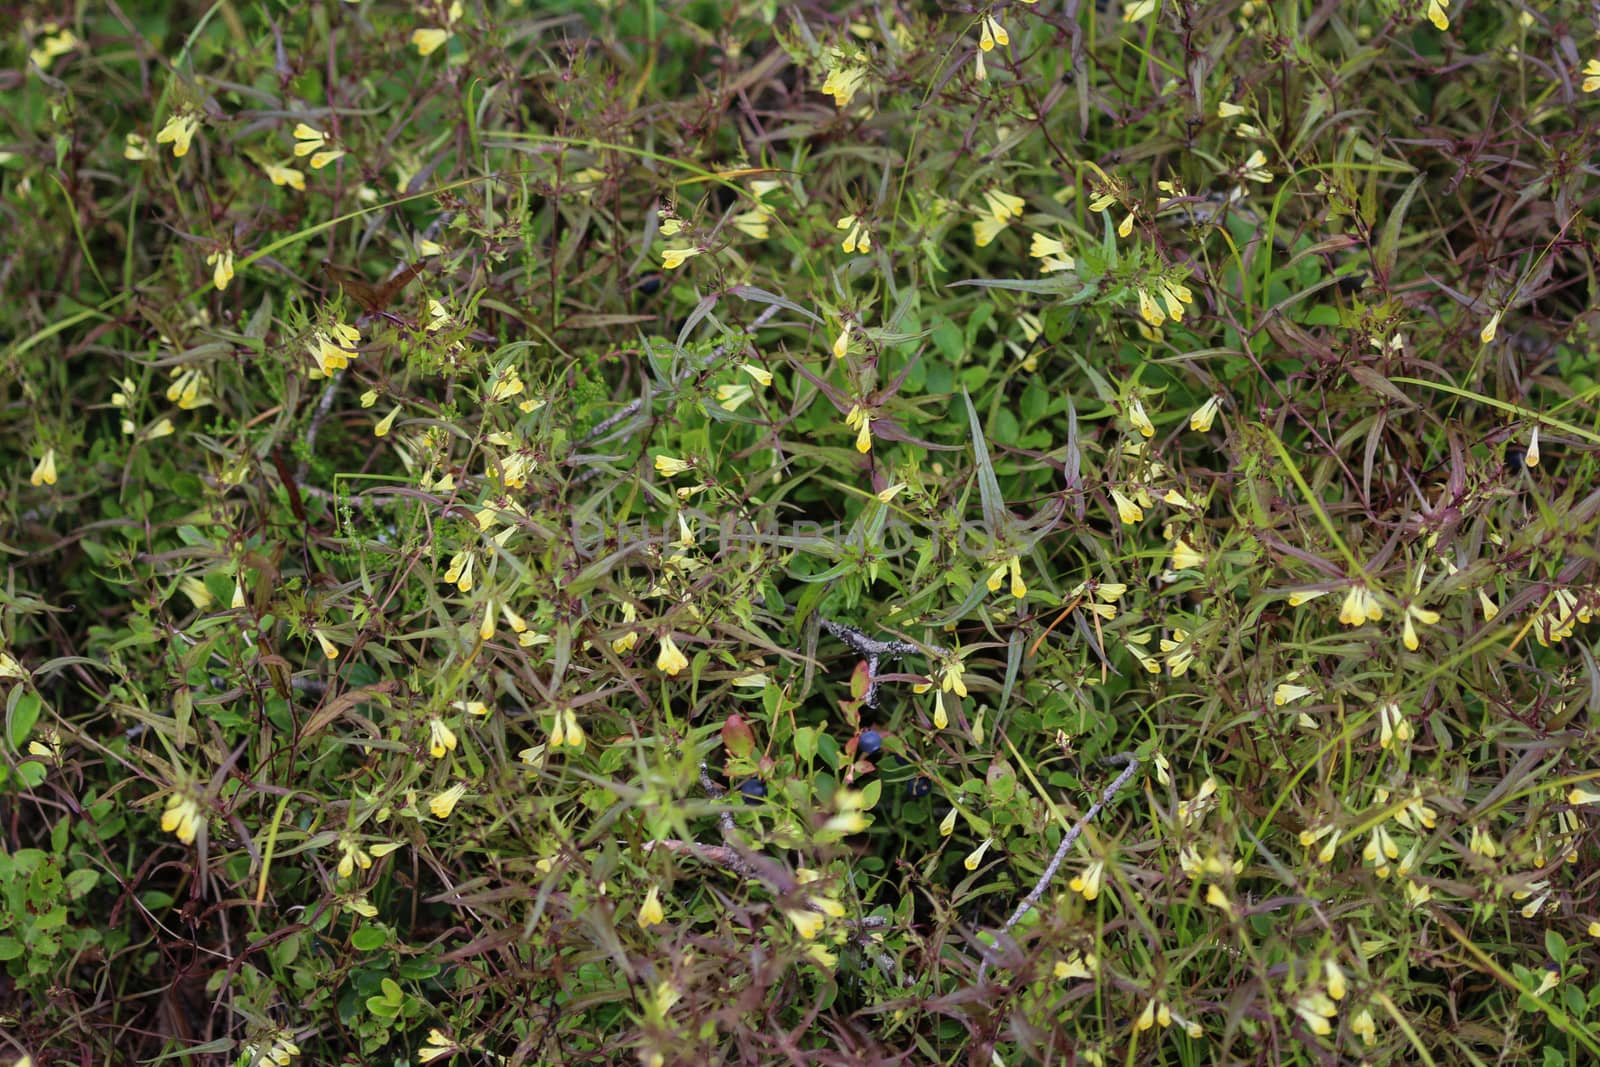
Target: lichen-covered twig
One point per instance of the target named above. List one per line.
(1130, 767)
(874, 650)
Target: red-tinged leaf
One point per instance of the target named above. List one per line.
(860, 681)
(737, 737)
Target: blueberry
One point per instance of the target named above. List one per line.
(753, 790)
(919, 787)
(870, 743)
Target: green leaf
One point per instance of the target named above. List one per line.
(23, 718)
(370, 937)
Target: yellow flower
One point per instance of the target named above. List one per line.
(1140, 420)
(1363, 1026)
(308, 139)
(428, 40)
(947, 825)
(754, 223)
(859, 239)
(352, 855)
(760, 375)
(1360, 606)
(222, 263)
(992, 34)
(1437, 16)
(1178, 657)
(182, 817)
(438, 1045)
(44, 472)
(1138, 9)
(1591, 80)
(668, 466)
(1578, 795)
(179, 131)
(650, 913)
(841, 344)
(731, 397)
(1052, 251)
(385, 424)
(281, 175)
(1205, 415)
(575, 736)
(1127, 510)
(134, 146)
(459, 573)
(950, 677)
(1335, 979)
(1125, 227)
(1409, 632)
(1288, 691)
(1226, 110)
(1490, 328)
(329, 649)
(1149, 310)
(1185, 558)
(1255, 168)
(441, 738)
(56, 42)
(444, 803)
(975, 857)
(1531, 457)
(1002, 207)
(1316, 1009)
(1088, 883)
(861, 420)
(1218, 899)
(670, 660)
(1392, 724)
(673, 258)
(842, 81)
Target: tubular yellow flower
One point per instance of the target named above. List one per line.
(459, 573)
(442, 804)
(1437, 16)
(428, 40)
(1149, 310)
(985, 230)
(1147, 1018)
(1178, 658)
(1360, 606)
(1255, 168)
(1127, 510)
(843, 80)
(441, 738)
(670, 465)
(576, 738)
(1125, 227)
(1392, 724)
(179, 131)
(1490, 328)
(135, 147)
(1579, 795)
(975, 857)
(1531, 458)
(1018, 588)
(1140, 420)
(182, 817)
(1205, 415)
(859, 239)
(1316, 1009)
(1287, 692)
(1185, 558)
(238, 594)
(1052, 251)
(1591, 80)
(760, 375)
(438, 1045)
(1335, 979)
(673, 258)
(282, 175)
(1218, 899)
(1135, 10)
(670, 660)
(650, 912)
(222, 263)
(992, 33)
(1001, 206)
(1088, 883)
(1226, 110)
(1409, 632)
(385, 424)
(329, 649)
(841, 344)
(733, 396)
(806, 923)
(947, 825)
(44, 472)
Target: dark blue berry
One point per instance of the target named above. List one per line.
(870, 743)
(753, 790)
(919, 787)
